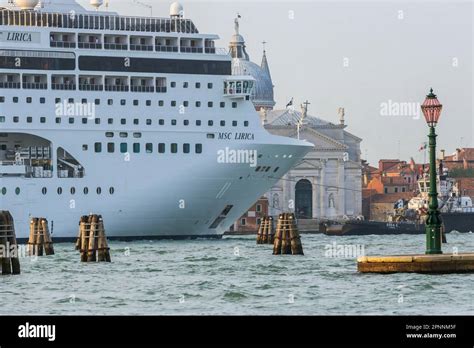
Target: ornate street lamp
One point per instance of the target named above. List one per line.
(432, 110)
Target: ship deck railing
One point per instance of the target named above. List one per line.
(63, 44)
(31, 85)
(10, 85)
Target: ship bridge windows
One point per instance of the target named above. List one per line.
(90, 41)
(62, 40)
(142, 84)
(166, 44)
(141, 43)
(189, 45)
(67, 166)
(238, 86)
(116, 83)
(115, 42)
(63, 82)
(35, 81)
(10, 80)
(90, 83)
(209, 46)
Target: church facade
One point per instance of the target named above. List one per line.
(327, 183)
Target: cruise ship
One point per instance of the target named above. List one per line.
(127, 117)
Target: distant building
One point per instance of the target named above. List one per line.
(250, 221)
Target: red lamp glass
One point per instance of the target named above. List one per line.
(431, 109)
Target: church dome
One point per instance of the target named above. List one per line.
(241, 65)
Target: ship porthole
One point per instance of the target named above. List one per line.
(17, 191)
(4, 190)
(99, 190)
(60, 190)
(86, 190)
(111, 190)
(73, 190)
(44, 190)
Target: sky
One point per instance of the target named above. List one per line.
(377, 59)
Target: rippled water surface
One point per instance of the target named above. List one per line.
(235, 276)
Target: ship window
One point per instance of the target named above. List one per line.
(173, 122)
(173, 84)
(136, 121)
(29, 119)
(123, 121)
(73, 190)
(185, 103)
(210, 104)
(57, 100)
(123, 134)
(161, 122)
(4, 190)
(186, 122)
(161, 148)
(198, 84)
(84, 120)
(123, 102)
(137, 135)
(2, 119)
(222, 104)
(210, 123)
(148, 103)
(222, 123)
(84, 147)
(97, 102)
(60, 190)
(123, 147)
(71, 120)
(149, 147)
(198, 148)
(234, 123)
(136, 147)
(267, 169)
(209, 85)
(111, 190)
(97, 121)
(198, 104)
(135, 102)
(186, 148)
(44, 190)
(257, 169)
(110, 102)
(246, 123)
(2, 99)
(28, 100)
(86, 190)
(71, 101)
(174, 148)
(109, 134)
(16, 119)
(148, 122)
(276, 169)
(110, 147)
(234, 104)
(210, 136)
(58, 119)
(17, 191)
(98, 190)
(161, 103)
(173, 103)
(42, 100)
(198, 122)
(84, 101)
(185, 85)
(110, 121)
(98, 147)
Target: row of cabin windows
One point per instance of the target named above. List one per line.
(123, 102)
(123, 121)
(59, 190)
(149, 148)
(266, 169)
(196, 85)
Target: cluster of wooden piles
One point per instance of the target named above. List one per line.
(287, 239)
(9, 261)
(40, 239)
(266, 232)
(91, 240)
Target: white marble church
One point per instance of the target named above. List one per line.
(327, 183)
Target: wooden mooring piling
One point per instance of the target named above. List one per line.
(287, 239)
(91, 239)
(266, 232)
(40, 241)
(9, 261)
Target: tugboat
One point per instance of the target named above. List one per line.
(457, 213)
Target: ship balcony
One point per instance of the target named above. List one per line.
(33, 81)
(166, 44)
(160, 85)
(239, 87)
(116, 84)
(63, 82)
(141, 43)
(142, 84)
(90, 83)
(191, 46)
(63, 40)
(209, 46)
(115, 42)
(10, 81)
(90, 41)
